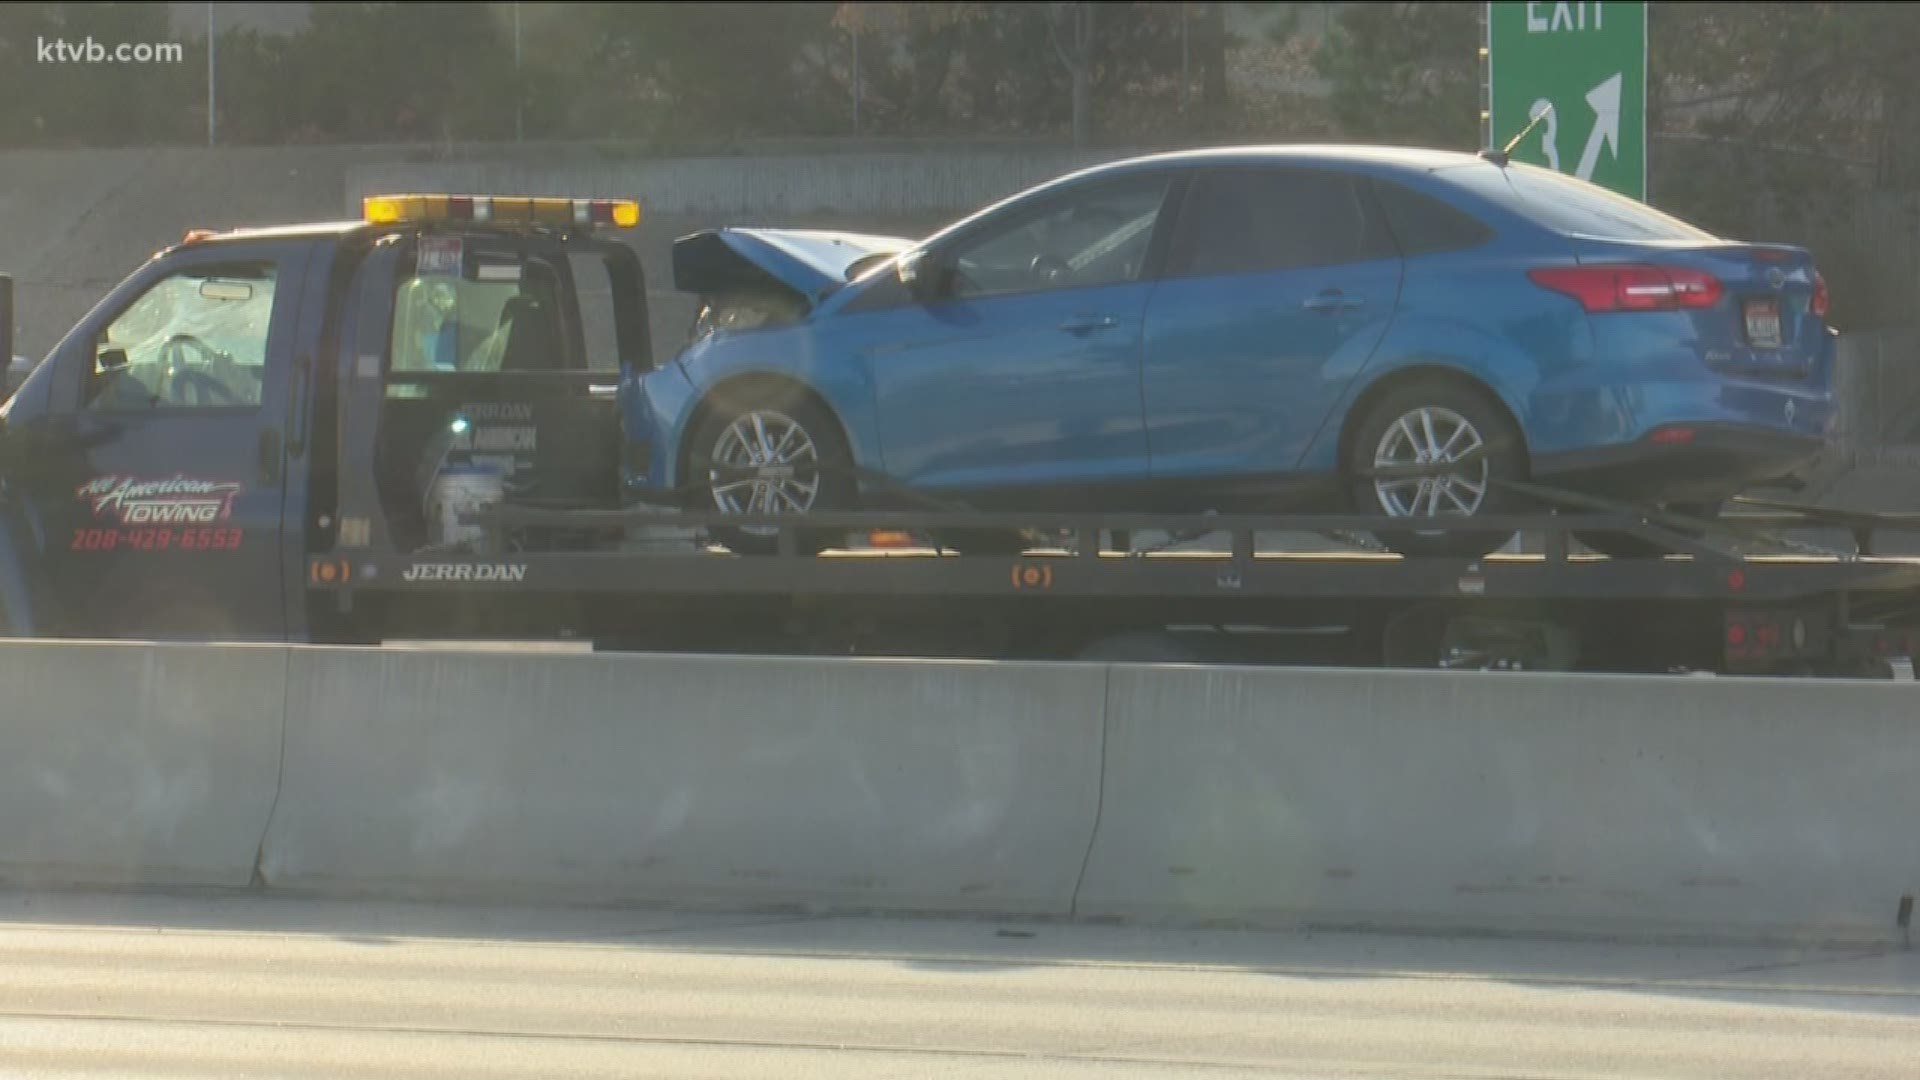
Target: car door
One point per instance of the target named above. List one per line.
(1022, 373)
(162, 471)
(1279, 283)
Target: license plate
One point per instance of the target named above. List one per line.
(1763, 324)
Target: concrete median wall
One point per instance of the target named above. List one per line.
(1726, 807)
(900, 785)
(1711, 808)
(136, 764)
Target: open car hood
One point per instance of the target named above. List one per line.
(808, 263)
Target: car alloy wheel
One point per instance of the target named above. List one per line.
(1428, 436)
(764, 462)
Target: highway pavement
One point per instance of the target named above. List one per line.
(118, 985)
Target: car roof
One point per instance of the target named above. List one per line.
(1384, 158)
(1421, 159)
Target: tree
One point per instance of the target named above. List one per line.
(1406, 72)
(911, 54)
(1070, 26)
(402, 71)
(1210, 47)
(84, 104)
(705, 70)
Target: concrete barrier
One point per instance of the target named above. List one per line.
(131, 764)
(1726, 807)
(1721, 808)
(838, 783)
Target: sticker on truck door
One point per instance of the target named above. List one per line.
(178, 513)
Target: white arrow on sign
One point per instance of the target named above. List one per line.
(1605, 102)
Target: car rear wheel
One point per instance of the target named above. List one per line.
(1453, 429)
(770, 450)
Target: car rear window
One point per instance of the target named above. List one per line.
(1577, 208)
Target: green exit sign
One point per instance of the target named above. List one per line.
(1585, 66)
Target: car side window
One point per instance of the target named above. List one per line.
(1424, 225)
(1241, 221)
(197, 339)
(1089, 238)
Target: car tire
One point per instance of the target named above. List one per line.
(1441, 416)
(774, 428)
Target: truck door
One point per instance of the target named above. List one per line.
(160, 474)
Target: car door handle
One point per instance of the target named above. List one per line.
(1087, 324)
(1331, 301)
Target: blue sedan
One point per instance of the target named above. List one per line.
(1244, 330)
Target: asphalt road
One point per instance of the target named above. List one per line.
(113, 986)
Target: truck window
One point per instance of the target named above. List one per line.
(196, 340)
(600, 330)
(444, 323)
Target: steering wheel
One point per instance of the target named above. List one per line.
(186, 382)
(173, 352)
(1049, 269)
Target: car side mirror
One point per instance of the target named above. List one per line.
(924, 274)
(112, 359)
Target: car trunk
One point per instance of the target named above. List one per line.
(1763, 322)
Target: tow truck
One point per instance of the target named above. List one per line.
(407, 426)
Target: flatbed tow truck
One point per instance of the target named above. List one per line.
(266, 435)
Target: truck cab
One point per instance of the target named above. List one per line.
(247, 400)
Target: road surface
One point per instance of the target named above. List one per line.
(113, 986)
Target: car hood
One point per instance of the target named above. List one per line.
(809, 263)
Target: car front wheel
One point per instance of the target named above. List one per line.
(770, 451)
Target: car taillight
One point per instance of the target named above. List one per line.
(1818, 305)
(1631, 288)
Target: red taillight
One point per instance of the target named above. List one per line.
(1818, 305)
(1671, 436)
(1631, 288)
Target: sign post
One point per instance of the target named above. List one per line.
(1585, 66)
